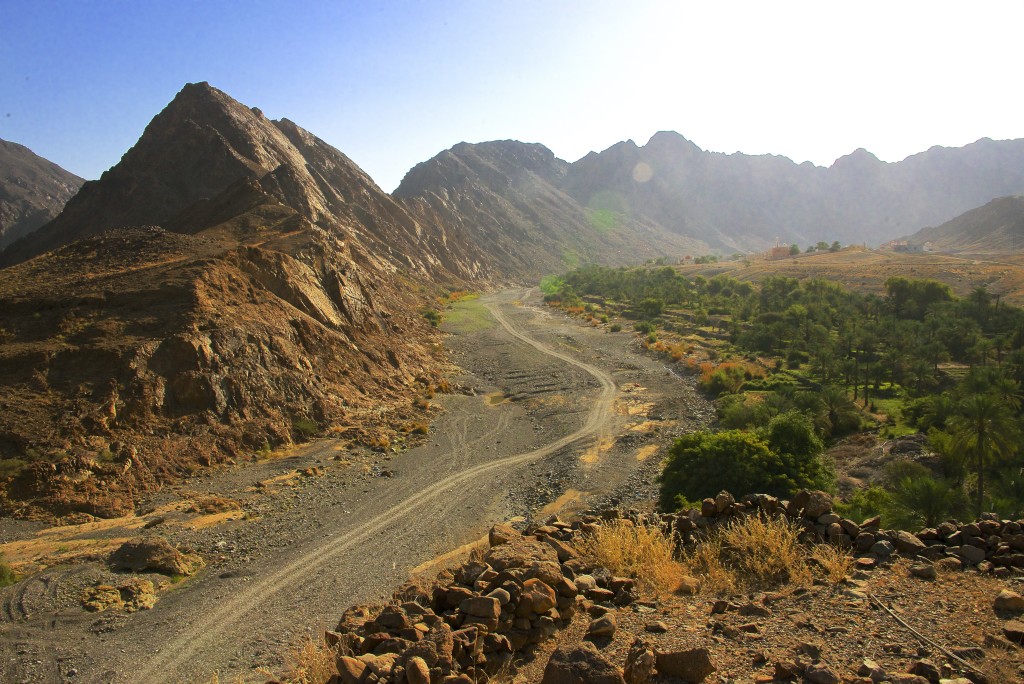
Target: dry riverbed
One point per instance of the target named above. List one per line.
(558, 416)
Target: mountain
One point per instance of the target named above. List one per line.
(996, 228)
(739, 201)
(505, 198)
(32, 191)
(281, 290)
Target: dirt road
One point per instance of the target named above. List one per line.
(356, 534)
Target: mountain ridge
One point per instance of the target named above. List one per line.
(33, 190)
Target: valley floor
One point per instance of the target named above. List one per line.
(561, 417)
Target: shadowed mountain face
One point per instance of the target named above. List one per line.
(32, 191)
(505, 198)
(739, 201)
(994, 229)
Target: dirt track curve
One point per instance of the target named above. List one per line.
(231, 615)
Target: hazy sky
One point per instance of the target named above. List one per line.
(394, 83)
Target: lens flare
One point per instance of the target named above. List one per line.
(642, 172)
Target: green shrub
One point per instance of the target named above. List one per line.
(615, 327)
(643, 327)
(7, 575)
(701, 464)
(432, 316)
(305, 428)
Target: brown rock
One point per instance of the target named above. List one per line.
(350, 669)
(687, 586)
(417, 672)
(603, 626)
(153, 554)
(519, 552)
(537, 598)
(693, 665)
(926, 669)
(640, 663)
(925, 571)
(820, 673)
(908, 544)
(582, 664)
(1009, 601)
(481, 606)
(502, 534)
(818, 504)
(1013, 630)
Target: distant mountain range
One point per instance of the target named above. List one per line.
(994, 229)
(32, 191)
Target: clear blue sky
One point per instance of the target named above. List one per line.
(394, 83)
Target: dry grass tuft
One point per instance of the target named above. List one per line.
(310, 662)
(833, 561)
(642, 553)
(751, 553)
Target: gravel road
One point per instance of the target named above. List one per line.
(585, 414)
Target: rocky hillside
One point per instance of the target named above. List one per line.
(994, 229)
(560, 602)
(739, 201)
(279, 297)
(504, 197)
(32, 191)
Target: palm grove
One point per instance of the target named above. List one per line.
(797, 365)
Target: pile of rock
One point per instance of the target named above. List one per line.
(524, 589)
(990, 544)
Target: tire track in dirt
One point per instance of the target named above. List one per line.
(221, 623)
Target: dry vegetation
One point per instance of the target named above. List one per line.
(642, 553)
(868, 269)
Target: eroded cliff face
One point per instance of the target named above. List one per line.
(137, 356)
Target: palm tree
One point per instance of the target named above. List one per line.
(841, 414)
(984, 430)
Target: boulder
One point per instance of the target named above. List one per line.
(1013, 630)
(582, 664)
(502, 534)
(1009, 601)
(519, 552)
(687, 586)
(481, 606)
(924, 571)
(908, 544)
(693, 665)
(640, 663)
(417, 672)
(820, 673)
(537, 598)
(153, 554)
(603, 626)
(971, 555)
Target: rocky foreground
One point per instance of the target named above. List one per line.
(936, 606)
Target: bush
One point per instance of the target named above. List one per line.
(642, 553)
(433, 317)
(643, 327)
(7, 575)
(701, 464)
(750, 554)
(305, 428)
(615, 327)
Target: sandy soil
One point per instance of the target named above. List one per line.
(562, 417)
